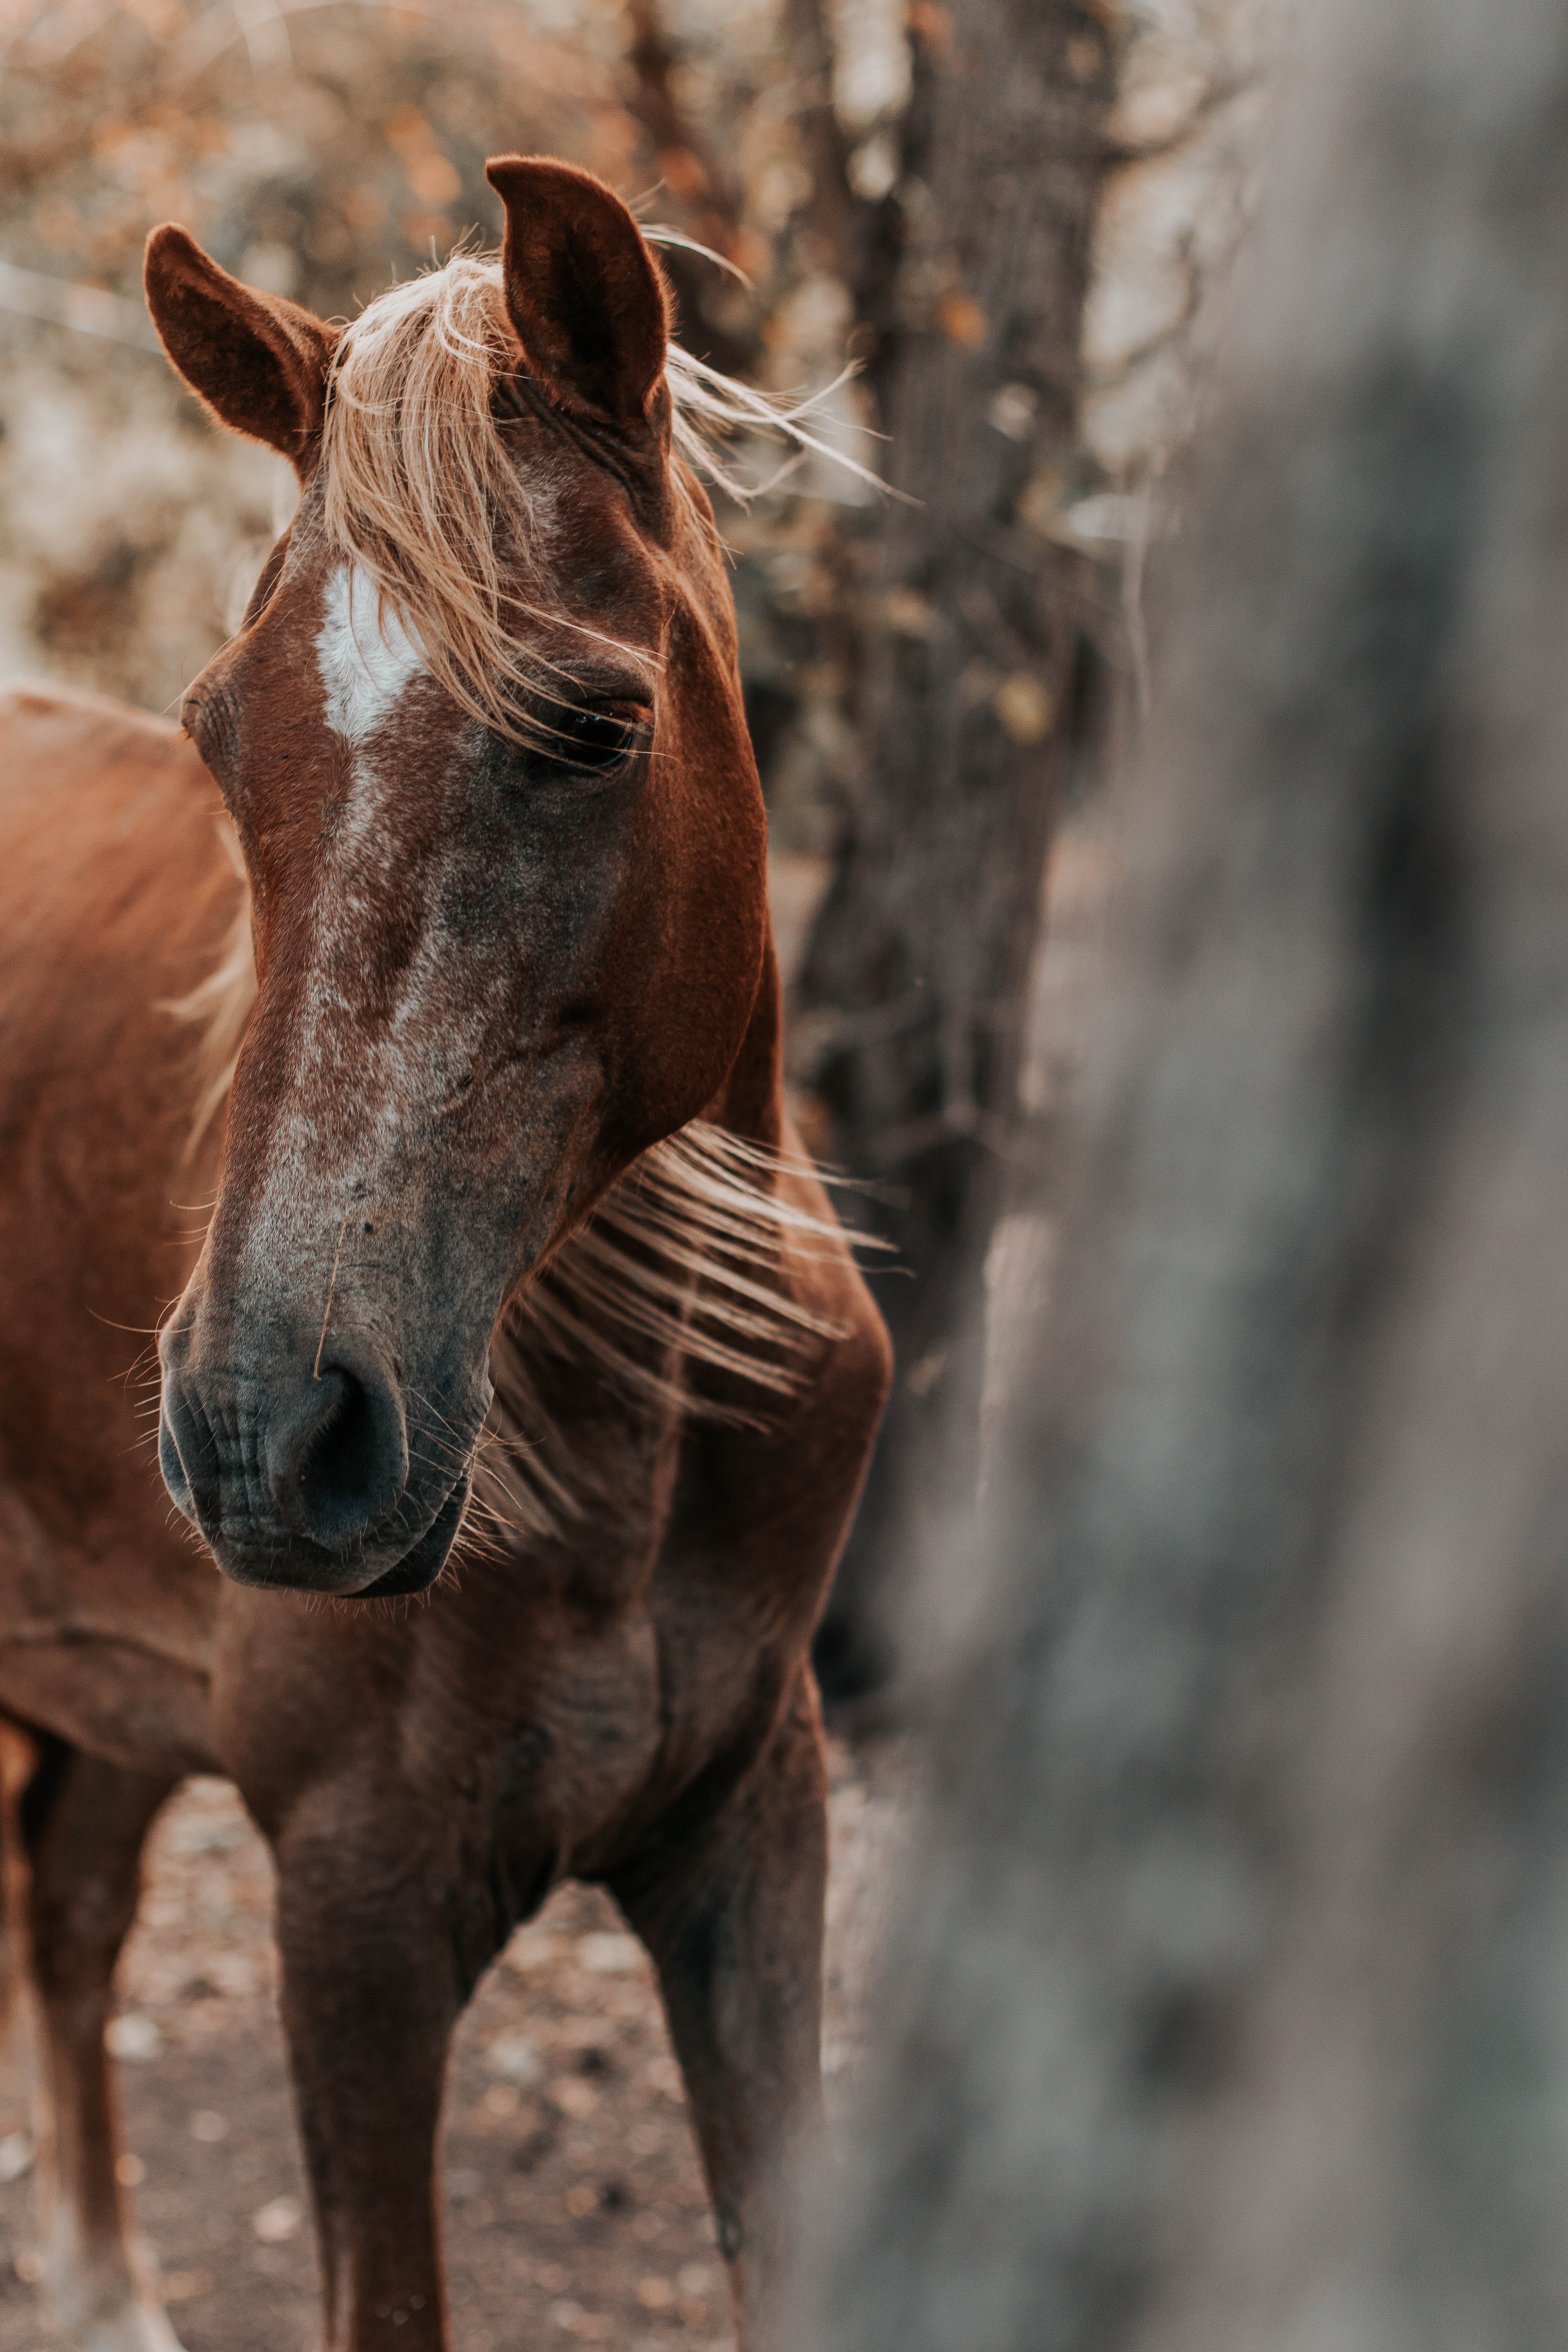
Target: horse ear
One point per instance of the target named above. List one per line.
(583, 290)
(259, 363)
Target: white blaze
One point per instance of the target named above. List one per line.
(364, 654)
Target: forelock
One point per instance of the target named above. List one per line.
(421, 494)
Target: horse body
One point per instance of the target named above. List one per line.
(490, 980)
(114, 896)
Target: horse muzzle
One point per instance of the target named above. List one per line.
(296, 1470)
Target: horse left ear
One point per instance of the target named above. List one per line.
(583, 290)
(259, 363)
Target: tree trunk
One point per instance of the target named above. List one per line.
(971, 288)
(1230, 2014)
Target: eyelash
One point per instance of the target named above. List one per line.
(595, 740)
(578, 739)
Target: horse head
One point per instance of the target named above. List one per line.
(482, 739)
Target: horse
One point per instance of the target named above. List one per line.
(408, 1016)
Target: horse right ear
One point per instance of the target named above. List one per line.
(258, 362)
(583, 290)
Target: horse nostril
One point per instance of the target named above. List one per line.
(339, 1460)
(343, 1464)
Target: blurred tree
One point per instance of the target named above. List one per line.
(707, 194)
(1230, 2016)
(969, 275)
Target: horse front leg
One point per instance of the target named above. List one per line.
(733, 1917)
(370, 1997)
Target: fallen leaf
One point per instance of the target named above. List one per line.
(132, 2039)
(574, 2097)
(931, 24)
(279, 2220)
(515, 2058)
(1012, 410)
(183, 2286)
(908, 611)
(963, 319)
(433, 180)
(683, 173)
(608, 1955)
(1024, 707)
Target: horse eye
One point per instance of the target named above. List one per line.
(588, 739)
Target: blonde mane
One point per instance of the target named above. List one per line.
(679, 1267)
(420, 490)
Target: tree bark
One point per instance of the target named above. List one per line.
(970, 289)
(1229, 2014)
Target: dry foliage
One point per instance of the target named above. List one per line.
(328, 151)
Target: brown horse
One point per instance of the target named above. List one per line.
(511, 1294)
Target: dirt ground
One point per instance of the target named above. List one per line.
(576, 2207)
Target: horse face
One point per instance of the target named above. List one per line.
(491, 973)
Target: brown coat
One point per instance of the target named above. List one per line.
(487, 987)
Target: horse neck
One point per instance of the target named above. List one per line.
(540, 1477)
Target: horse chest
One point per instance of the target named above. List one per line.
(551, 1708)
